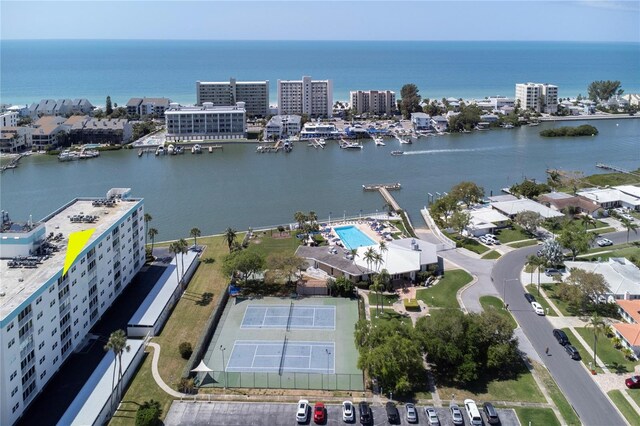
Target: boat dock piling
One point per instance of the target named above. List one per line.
(314, 143)
(384, 191)
(615, 169)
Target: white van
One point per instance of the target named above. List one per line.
(472, 411)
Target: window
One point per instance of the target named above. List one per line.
(39, 315)
(11, 342)
(14, 391)
(10, 326)
(41, 345)
(15, 407)
(44, 373)
(38, 300)
(55, 345)
(42, 360)
(54, 331)
(13, 375)
(53, 302)
(55, 360)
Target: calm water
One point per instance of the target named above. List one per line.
(241, 188)
(32, 70)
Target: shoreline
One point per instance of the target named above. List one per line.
(588, 117)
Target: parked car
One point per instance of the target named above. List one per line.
(472, 411)
(365, 413)
(319, 413)
(603, 242)
(486, 240)
(493, 238)
(537, 308)
(302, 415)
(560, 336)
(550, 272)
(627, 216)
(456, 415)
(633, 382)
(491, 413)
(348, 413)
(392, 413)
(432, 416)
(573, 352)
(529, 297)
(412, 413)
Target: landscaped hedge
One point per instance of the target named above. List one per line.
(411, 305)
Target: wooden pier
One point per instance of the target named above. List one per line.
(616, 169)
(13, 164)
(384, 191)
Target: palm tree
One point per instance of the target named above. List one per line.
(588, 220)
(152, 234)
(376, 287)
(531, 263)
(184, 248)
(369, 257)
(147, 219)
(382, 247)
(117, 343)
(599, 327)
(230, 236)
(175, 249)
(195, 233)
(629, 226)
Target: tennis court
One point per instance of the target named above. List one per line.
(289, 356)
(306, 317)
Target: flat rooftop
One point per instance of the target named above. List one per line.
(20, 283)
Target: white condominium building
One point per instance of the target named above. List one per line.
(311, 97)
(9, 119)
(44, 316)
(540, 97)
(373, 101)
(254, 94)
(206, 122)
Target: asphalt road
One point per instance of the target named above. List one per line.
(255, 414)
(583, 393)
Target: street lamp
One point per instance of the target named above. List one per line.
(224, 370)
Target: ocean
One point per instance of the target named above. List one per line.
(93, 69)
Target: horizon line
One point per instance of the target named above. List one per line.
(324, 40)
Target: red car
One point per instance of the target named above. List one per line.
(633, 382)
(319, 413)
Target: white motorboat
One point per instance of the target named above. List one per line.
(171, 150)
(397, 152)
(378, 140)
(196, 149)
(160, 150)
(350, 145)
(403, 140)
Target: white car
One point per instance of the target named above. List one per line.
(348, 413)
(602, 242)
(432, 416)
(472, 411)
(302, 415)
(627, 216)
(486, 240)
(537, 308)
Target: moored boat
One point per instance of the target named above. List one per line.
(397, 152)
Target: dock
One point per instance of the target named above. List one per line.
(314, 143)
(384, 191)
(616, 169)
(13, 164)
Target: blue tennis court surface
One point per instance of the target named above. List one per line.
(290, 356)
(303, 317)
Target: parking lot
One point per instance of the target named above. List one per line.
(242, 413)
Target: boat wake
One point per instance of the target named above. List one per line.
(444, 151)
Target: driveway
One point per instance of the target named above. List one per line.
(256, 414)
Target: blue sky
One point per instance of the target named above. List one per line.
(322, 20)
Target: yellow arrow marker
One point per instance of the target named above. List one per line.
(77, 241)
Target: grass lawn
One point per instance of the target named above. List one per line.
(468, 243)
(537, 416)
(187, 321)
(523, 244)
(523, 389)
(612, 357)
(387, 299)
(603, 179)
(443, 294)
(263, 243)
(568, 413)
(550, 290)
(625, 408)
(585, 354)
(510, 235)
(635, 395)
(389, 315)
(491, 302)
(624, 250)
(492, 255)
(533, 289)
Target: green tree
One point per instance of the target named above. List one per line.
(376, 287)
(529, 189)
(588, 220)
(603, 90)
(147, 218)
(117, 344)
(529, 221)
(443, 208)
(460, 220)
(599, 326)
(551, 252)
(592, 286)
(244, 262)
(468, 118)
(148, 414)
(629, 226)
(344, 286)
(175, 248)
(195, 233)
(152, 234)
(467, 192)
(284, 265)
(230, 237)
(536, 262)
(184, 249)
(410, 100)
(575, 239)
(109, 108)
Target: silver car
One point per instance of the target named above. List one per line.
(456, 415)
(432, 416)
(412, 413)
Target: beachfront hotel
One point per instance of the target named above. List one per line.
(206, 122)
(311, 97)
(45, 316)
(254, 94)
(379, 102)
(539, 97)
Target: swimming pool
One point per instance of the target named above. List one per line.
(352, 237)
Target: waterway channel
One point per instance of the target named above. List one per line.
(240, 188)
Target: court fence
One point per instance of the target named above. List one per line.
(286, 380)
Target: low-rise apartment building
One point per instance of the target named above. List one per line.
(9, 119)
(377, 102)
(254, 94)
(46, 131)
(15, 139)
(84, 129)
(311, 97)
(206, 122)
(44, 314)
(539, 97)
(61, 107)
(148, 106)
(282, 125)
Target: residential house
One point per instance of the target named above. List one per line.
(15, 139)
(46, 131)
(420, 121)
(621, 275)
(629, 331)
(562, 202)
(282, 126)
(609, 198)
(439, 123)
